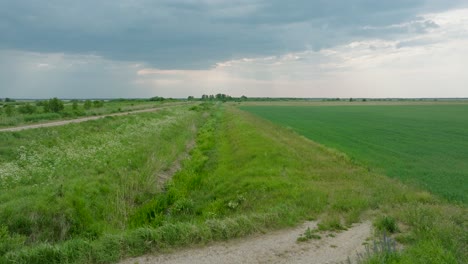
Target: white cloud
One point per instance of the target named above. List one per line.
(432, 66)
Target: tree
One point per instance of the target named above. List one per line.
(9, 100)
(98, 103)
(156, 99)
(55, 105)
(244, 98)
(190, 98)
(87, 104)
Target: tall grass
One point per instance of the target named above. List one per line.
(84, 180)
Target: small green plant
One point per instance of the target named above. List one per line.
(183, 207)
(308, 235)
(383, 250)
(233, 204)
(386, 223)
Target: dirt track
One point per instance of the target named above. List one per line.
(277, 247)
(78, 120)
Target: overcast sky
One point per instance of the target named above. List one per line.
(274, 48)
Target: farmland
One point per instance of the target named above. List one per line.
(89, 192)
(425, 145)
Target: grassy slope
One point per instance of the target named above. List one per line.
(247, 175)
(426, 145)
(83, 180)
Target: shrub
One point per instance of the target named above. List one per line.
(157, 99)
(386, 223)
(27, 109)
(55, 105)
(87, 104)
(75, 105)
(9, 110)
(98, 103)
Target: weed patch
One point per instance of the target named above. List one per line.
(308, 235)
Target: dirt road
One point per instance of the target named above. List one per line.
(78, 120)
(277, 247)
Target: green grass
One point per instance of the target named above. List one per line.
(424, 145)
(84, 180)
(247, 175)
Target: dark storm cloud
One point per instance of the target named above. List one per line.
(197, 34)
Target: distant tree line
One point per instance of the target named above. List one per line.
(219, 97)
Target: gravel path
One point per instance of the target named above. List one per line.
(276, 247)
(78, 120)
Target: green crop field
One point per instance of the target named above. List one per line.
(424, 145)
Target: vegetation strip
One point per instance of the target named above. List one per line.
(79, 120)
(247, 175)
(14, 113)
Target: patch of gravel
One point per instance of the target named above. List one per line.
(276, 247)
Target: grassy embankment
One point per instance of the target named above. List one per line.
(17, 118)
(424, 145)
(82, 181)
(248, 175)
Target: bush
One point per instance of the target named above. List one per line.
(75, 105)
(157, 99)
(55, 105)
(87, 104)
(387, 223)
(27, 109)
(98, 103)
(9, 110)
